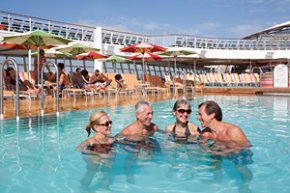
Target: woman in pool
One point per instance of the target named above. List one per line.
(101, 142)
(98, 149)
(182, 129)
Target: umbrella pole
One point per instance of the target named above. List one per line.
(143, 66)
(29, 65)
(38, 66)
(174, 89)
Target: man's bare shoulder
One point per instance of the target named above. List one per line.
(231, 128)
(130, 129)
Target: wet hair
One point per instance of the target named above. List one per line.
(61, 65)
(180, 102)
(97, 70)
(94, 119)
(139, 107)
(212, 107)
(118, 77)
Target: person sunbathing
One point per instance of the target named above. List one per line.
(24, 85)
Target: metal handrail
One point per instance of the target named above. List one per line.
(1, 88)
(57, 88)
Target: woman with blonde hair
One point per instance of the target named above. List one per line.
(97, 149)
(101, 142)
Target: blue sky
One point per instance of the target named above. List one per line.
(209, 18)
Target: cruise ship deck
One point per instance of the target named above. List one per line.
(230, 54)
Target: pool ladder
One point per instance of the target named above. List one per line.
(17, 106)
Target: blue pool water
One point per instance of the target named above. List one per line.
(37, 154)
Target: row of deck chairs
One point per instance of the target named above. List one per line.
(227, 80)
(153, 84)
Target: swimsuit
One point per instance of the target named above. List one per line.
(181, 138)
(100, 148)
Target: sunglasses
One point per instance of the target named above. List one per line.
(188, 111)
(106, 123)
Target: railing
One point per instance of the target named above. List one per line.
(7, 61)
(57, 88)
(21, 23)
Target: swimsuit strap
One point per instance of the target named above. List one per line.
(174, 131)
(187, 131)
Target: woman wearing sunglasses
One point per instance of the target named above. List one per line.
(182, 129)
(101, 142)
(97, 150)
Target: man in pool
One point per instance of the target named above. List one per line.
(226, 136)
(142, 128)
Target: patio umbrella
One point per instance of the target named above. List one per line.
(175, 52)
(143, 48)
(114, 59)
(91, 56)
(52, 53)
(77, 48)
(145, 57)
(2, 27)
(36, 38)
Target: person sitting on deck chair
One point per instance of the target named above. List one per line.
(99, 79)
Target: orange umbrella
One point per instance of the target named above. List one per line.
(91, 56)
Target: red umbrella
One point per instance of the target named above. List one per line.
(2, 27)
(146, 56)
(143, 48)
(91, 56)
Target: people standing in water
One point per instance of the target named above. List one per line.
(97, 149)
(225, 135)
(182, 130)
(101, 142)
(142, 128)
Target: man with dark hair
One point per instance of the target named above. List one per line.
(77, 79)
(226, 135)
(100, 80)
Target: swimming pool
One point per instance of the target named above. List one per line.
(37, 154)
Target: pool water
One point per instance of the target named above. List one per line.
(38, 153)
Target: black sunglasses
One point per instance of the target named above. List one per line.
(184, 110)
(106, 123)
